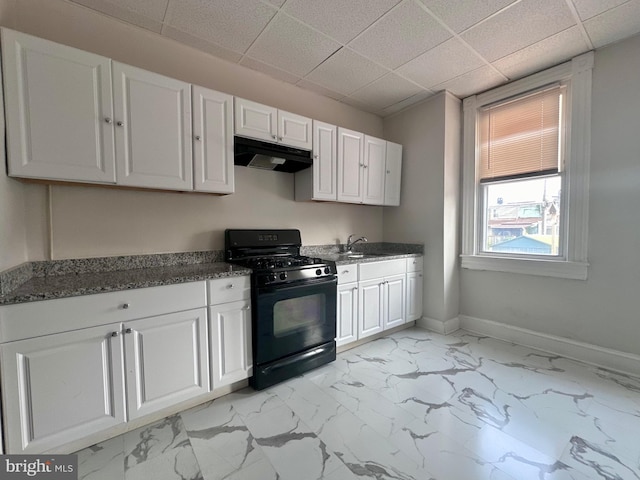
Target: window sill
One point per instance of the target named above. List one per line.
(540, 267)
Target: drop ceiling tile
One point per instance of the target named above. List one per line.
(386, 91)
(549, 52)
(402, 34)
(200, 44)
(314, 87)
(147, 14)
(340, 20)
(360, 105)
(590, 8)
(461, 14)
(291, 46)
(277, 3)
(615, 24)
(452, 59)
(417, 98)
(472, 82)
(232, 25)
(519, 26)
(346, 71)
(269, 70)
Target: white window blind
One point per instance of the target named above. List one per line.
(522, 137)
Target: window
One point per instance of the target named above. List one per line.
(526, 164)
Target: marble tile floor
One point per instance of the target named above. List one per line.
(412, 405)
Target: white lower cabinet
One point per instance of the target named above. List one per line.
(415, 286)
(230, 339)
(114, 357)
(370, 306)
(166, 361)
(347, 314)
(230, 330)
(376, 296)
(60, 388)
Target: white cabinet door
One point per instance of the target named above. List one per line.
(350, 166)
(394, 301)
(325, 161)
(393, 174)
(212, 141)
(167, 360)
(347, 314)
(58, 108)
(230, 331)
(370, 307)
(375, 154)
(414, 296)
(255, 120)
(153, 129)
(294, 130)
(60, 388)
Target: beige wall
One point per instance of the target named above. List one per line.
(39, 222)
(430, 134)
(604, 309)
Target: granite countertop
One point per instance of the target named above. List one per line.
(70, 285)
(45, 280)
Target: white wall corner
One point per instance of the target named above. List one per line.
(565, 347)
(444, 327)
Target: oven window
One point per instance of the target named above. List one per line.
(298, 313)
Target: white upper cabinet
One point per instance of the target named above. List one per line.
(255, 120)
(320, 182)
(375, 153)
(350, 166)
(212, 141)
(393, 174)
(294, 130)
(58, 111)
(153, 129)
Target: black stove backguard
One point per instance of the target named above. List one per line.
(293, 304)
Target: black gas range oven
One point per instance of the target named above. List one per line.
(293, 301)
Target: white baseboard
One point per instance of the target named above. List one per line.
(443, 327)
(584, 352)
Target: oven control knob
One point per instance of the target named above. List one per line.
(272, 277)
(318, 272)
(327, 270)
(283, 276)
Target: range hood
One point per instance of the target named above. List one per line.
(270, 156)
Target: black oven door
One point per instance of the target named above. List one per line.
(291, 318)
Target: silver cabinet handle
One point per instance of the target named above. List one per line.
(388, 171)
(125, 306)
(362, 164)
(420, 275)
(128, 330)
(414, 262)
(346, 271)
(230, 286)
(119, 123)
(366, 166)
(315, 156)
(274, 137)
(248, 307)
(198, 138)
(280, 138)
(115, 334)
(354, 289)
(108, 120)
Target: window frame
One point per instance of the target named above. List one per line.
(573, 264)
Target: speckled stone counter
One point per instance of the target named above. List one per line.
(45, 280)
(68, 278)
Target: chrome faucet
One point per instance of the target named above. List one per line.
(350, 244)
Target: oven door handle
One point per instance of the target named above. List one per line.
(320, 282)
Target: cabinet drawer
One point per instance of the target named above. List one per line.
(347, 273)
(229, 289)
(414, 264)
(382, 269)
(46, 317)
